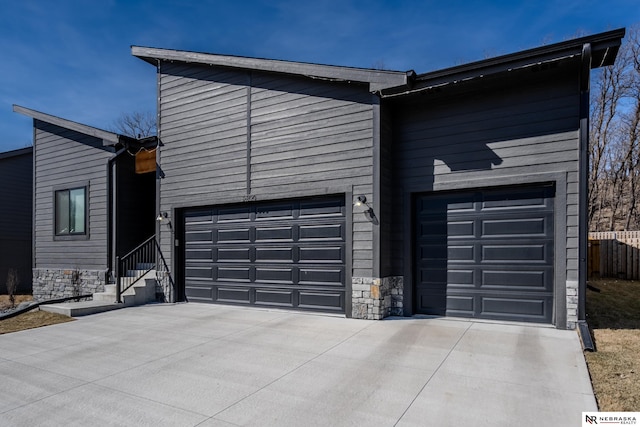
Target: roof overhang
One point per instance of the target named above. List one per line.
(108, 138)
(604, 49)
(376, 79)
(16, 153)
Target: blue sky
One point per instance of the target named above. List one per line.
(71, 58)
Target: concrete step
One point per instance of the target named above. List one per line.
(81, 308)
(142, 292)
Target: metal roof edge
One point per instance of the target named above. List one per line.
(377, 79)
(16, 152)
(108, 138)
(605, 47)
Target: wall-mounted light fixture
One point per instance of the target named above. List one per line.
(371, 216)
(163, 217)
(361, 200)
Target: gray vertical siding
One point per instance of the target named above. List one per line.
(230, 135)
(16, 194)
(65, 159)
(519, 128)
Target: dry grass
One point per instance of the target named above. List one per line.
(6, 304)
(30, 320)
(614, 317)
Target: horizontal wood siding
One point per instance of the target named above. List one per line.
(16, 195)
(16, 190)
(67, 159)
(516, 126)
(230, 135)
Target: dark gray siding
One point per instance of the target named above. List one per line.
(66, 159)
(519, 128)
(16, 195)
(387, 192)
(230, 136)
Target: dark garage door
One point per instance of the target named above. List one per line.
(486, 254)
(288, 254)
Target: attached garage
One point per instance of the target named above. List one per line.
(374, 193)
(486, 253)
(288, 254)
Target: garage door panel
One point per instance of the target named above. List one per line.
(274, 234)
(519, 253)
(325, 301)
(452, 203)
(322, 232)
(199, 236)
(275, 254)
(235, 274)
(460, 229)
(196, 255)
(323, 277)
(287, 254)
(461, 253)
(433, 228)
(496, 258)
(432, 252)
(433, 303)
(275, 297)
(464, 278)
(274, 212)
(516, 280)
(433, 275)
(197, 217)
(512, 307)
(199, 293)
(234, 235)
(229, 254)
(460, 305)
(199, 273)
(275, 275)
(511, 199)
(327, 254)
(514, 227)
(232, 214)
(231, 295)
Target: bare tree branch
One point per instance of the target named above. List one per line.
(136, 124)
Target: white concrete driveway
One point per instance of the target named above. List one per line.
(208, 365)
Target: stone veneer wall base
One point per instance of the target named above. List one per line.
(52, 283)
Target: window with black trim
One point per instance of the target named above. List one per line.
(71, 211)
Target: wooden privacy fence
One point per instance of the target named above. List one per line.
(614, 254)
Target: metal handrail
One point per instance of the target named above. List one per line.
(164, 268)
(143, 254)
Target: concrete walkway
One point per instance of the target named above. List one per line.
(207, 365)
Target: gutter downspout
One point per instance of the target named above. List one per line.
(585, 75)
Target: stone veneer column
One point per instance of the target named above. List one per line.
(572, 304)
(376, 298)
